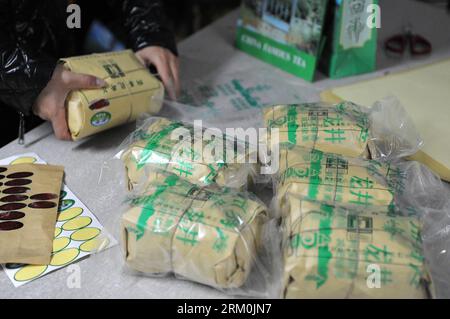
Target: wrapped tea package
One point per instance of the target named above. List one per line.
(332, 178)
(208, 235)
(342, 128)
(183, 150)
(384, 131)
(28, 208)
(334, 252)
(131, 91)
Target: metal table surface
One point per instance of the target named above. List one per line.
(102, 276)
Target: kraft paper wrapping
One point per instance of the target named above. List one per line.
(131, 91)
(207, 235)
(28, 208)
(331, 178)
(342, 128)
(158, 147)
(331, 252)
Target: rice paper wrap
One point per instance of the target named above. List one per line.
(208, 235)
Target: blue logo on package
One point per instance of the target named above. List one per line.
(100, 118)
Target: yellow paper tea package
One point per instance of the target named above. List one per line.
(208, 235)
(199, 160)
(332, 252)
(383, 131)
(342, 128)
(131, 91)
(28, 208)
(315, 175)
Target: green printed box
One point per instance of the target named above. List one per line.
(284, 33)
(351, 46)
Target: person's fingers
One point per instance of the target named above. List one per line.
(165, 73)
(59, 124)
(141, 59)
(74, 80)
(174, 66)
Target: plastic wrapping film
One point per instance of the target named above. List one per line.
(189, 151)
(339, 214)
(333, 178)
(210, 235)
(329, 252)
(131, 92)
(401, 198)
(223, 97)
(382, 132)
(436, 241)
(354, 182)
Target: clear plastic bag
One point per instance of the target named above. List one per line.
(232, 97)
(395, 196)
(357, 183)
(436, 240)
(199, 155)
(392, 132)
(210, 235)
(382, 132)
(172, 222)
(336, 252)
(332, 178)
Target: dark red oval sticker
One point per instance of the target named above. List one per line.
(42, 205)
(11, 215)
(18, 182)
(10, 225)
(44, 196)
(13, 198)
(12, 206)
(20, 175)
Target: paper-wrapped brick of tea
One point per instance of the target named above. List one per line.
(158, 147)
(351, 254)
(207, 235)
(28, 207)
(131, 91)
(316, 175)
(342, 128)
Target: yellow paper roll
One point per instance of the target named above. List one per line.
(131, 91)
(341, 128)
(332, 252)
(158, 148)
(316, 175)
(207, 235)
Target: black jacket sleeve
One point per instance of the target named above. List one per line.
(24, 70)
(147, 25)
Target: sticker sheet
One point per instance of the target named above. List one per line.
(77, 232)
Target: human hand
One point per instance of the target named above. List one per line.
(50, 104)
(167, 65)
